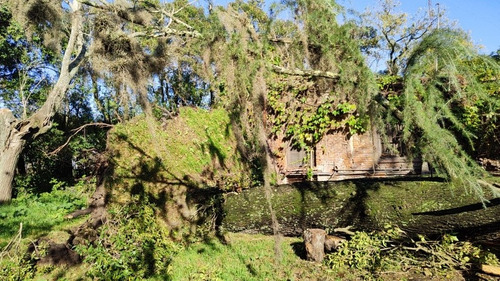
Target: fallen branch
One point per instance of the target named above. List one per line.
(307, 73)
(76, 131)
(79, 213)
(345, 230)
(15, 242)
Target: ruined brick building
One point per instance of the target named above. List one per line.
(340, 156)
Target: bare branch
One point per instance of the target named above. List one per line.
(76, 131)
(165, 33)
(346, 230)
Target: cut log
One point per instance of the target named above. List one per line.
(314, 241)
(491, 269)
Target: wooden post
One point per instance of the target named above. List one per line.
(314, 241)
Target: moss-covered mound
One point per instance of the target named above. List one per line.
(175, 164)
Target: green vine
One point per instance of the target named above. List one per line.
(304, 121)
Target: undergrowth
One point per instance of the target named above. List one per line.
(40, 213)
(31, 216)
(133, 244)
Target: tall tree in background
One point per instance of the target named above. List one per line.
(94, 33)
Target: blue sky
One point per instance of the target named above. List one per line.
(480, 18)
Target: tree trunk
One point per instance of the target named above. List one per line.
(15, 133)
(8, 163)
(11, 146)
(418, 206)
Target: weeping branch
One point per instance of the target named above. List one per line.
(155, 32)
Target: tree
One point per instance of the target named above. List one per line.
(438, 81)
(397, 33)
(102, 43)
(433, 87)
(17, 132)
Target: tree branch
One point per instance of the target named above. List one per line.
(307, 73)
(164, 32)
(346, 230)
(76, 131)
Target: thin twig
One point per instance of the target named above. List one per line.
(14, 242)
(76, 131)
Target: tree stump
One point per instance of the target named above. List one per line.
(314, 241)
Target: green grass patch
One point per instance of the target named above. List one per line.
(246, 257)
(40, 214)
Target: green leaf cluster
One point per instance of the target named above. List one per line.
(307, 125)
(392, 250)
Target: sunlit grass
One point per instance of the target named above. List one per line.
(246, 257)
(40, 214)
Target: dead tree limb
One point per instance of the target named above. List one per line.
(345, 230)
(76, 131)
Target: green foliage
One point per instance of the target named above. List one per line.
(132, 244)
(480, 114)
(43, 212)
(40, 168)
(391, 249)
(16, 268)
(23, 81)
(363, 252)
(10, 47)
(437, 82)
(304, 123)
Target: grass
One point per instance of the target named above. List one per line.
(246, 257)
(40, 214)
